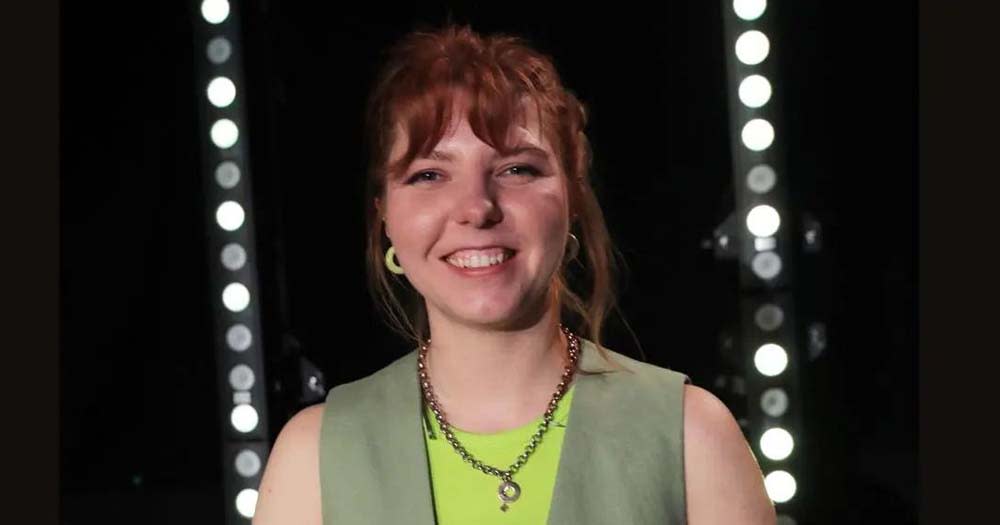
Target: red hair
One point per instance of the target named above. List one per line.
(415, 93)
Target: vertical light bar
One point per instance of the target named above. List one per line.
(231, 254)
(765, 249)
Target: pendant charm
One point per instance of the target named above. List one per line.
(508, 493)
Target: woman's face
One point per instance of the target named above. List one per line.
(480, 234)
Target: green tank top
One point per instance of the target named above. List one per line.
(465, 495)
(621, 457)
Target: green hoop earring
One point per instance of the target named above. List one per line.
(390, 261)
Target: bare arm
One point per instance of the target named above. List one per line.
(722, 478)
(289, 489)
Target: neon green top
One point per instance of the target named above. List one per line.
(464, 495)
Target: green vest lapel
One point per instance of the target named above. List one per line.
(622, 453)
(580, 491)
(373, 460)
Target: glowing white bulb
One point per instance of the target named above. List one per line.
(780, 486)
(247, 463)
(236, 297)
(241, 377)
(770, 359)
(229, 216)
(766, 265)
(227, 174)
(244, 418)
(763, 220)
(233, 256)
(218, 50)
(774, 402)
(246, 502)
(758, 134)
(755, 91)
(776, 443)
(761, 178)
(749, 9)
(215, 11)
(224, 133)
(769, 317)
(221, 92)
(238, 337)
(752, 47)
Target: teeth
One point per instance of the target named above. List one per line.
(478, 261)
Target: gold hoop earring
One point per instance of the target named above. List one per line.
(390, 261)
(573, 247)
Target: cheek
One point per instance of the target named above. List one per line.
(544, 218)
(412, 225)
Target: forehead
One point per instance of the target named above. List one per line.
(524, 128)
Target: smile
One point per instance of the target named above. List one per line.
(476, 259)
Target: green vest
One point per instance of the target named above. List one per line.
(622, 457)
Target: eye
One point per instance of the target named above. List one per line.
(523, 170)
(423, 176)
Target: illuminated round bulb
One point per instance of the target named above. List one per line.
(770, 359)
(247, 463)
(218, 50)
(752, 47)
(229, 215)
(776, 443)
(244, 418)
(749, 9)
(233, 256)
(238, 337)
(221, 92)
(763, 220)
(769, 317)
(236, 297)
(246, 502)
(241, 377)
(227, 174)
(224, 133)
(761, 179)
(757, 135)
(755, 91)
(780, 486)
(215, 11)
(766, 265)
(774, 402)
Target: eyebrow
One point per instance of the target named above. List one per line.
(516, 150)
(440, 155)
(525, 148)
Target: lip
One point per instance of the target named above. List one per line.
(508, 250)
(486, 270)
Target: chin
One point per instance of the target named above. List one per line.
(499, 313)
(490, 316)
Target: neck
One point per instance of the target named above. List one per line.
(489, 380)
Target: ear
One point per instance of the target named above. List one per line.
(380, 213)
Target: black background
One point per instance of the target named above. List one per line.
(139, 428)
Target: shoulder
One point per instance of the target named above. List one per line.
(289, 489)
(719, 465)
(363, 394)
(624, 367)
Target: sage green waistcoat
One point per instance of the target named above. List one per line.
(622, 459)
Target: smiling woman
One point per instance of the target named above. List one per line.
(478, 180)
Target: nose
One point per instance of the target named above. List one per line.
(477, 205)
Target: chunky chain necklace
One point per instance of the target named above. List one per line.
(509, 491)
